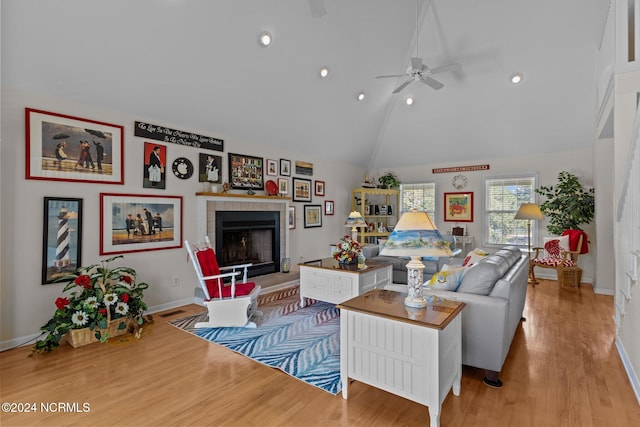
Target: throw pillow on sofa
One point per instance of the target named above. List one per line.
(473, 257)
(481, 277)
(447, 279)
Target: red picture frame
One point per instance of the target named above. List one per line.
(118, 235)
(458, 207)
(318, 188)
(61, 147)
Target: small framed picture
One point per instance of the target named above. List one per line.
(272, 167)
(304, 168)
(246, 172)
(458, 207)
(209, 168)
(283, 185)
(328, 207)
(62, 246)
(318, 188)
(301, 190)
(153, 168)
(285, 167)
(312, 216)
(292, 217)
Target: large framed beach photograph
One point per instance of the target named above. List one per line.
(62, 244)
(136, 223)
(66, 148)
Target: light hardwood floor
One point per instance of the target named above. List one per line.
(562, 370)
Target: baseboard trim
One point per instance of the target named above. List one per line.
(31, 338)
(628, 367)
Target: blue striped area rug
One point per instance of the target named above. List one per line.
(302, 342)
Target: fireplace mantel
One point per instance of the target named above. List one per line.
(274, 199)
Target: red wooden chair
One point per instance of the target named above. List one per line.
(229, 304)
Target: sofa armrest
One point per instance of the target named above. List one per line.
(370, 251)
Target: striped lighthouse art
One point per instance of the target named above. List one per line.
(62, 247)
(62, 234)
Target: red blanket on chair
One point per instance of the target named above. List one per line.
(574, 237)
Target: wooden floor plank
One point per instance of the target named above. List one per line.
(563, 370)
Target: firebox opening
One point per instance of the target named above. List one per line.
(249, 237)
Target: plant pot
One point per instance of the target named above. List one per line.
(80, 337)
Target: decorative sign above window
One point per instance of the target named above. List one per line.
(161, 133)
(461, 169)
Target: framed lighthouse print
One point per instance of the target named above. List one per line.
(62, 245)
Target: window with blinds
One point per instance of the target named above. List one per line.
(503, 198)
(422, 197)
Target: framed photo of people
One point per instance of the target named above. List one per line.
(246, 172)
(285, 167)
(210, 168)
(301, 190)
(136, 223)
(62, 244)
(154, 167)
(60, 147)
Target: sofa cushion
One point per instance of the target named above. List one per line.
(447, 279)
(511, 256)
(481, 277)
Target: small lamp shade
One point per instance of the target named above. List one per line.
(355, 220)
(416, 236)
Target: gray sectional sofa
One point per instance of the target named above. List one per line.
(494, 290)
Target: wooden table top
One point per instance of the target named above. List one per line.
(390, 304)
(333, 264)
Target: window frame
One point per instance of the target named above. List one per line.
(433, 214)
(486, 213)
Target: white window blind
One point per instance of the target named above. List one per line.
(421, 196)
(503, 198)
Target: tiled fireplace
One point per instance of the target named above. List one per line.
(245, 229)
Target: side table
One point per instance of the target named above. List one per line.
(415, 353)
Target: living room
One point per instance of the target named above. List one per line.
(27, 303)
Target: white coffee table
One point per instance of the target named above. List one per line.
(329, 281)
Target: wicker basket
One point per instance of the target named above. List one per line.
(84, 336)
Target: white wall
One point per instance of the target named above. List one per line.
(26, 304)
(545, 166)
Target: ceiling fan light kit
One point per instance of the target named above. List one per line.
(324, 72)
(409, 101)
(516, 78)
(360, 96)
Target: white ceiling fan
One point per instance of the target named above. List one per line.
(418, 70)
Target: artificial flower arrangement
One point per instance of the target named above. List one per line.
(98, 296)
(347, 250)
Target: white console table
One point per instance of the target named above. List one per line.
(333, 282)
(415, 353)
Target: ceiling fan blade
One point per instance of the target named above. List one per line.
(416, 63)
(432, 83)
(317, 8)
(445, 68)
(402, 86)
(390, 75)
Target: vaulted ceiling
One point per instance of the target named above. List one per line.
(197, 65)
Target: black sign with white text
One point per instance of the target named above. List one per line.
(161, 133)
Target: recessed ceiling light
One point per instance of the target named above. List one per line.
(324, 72)
(409, 101)
(360, 96)
(516, 78)
(265, 39)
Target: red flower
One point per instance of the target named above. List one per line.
(126, 279)
(84, 281)
(102, 311)
(62, 303)
(124, 297)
